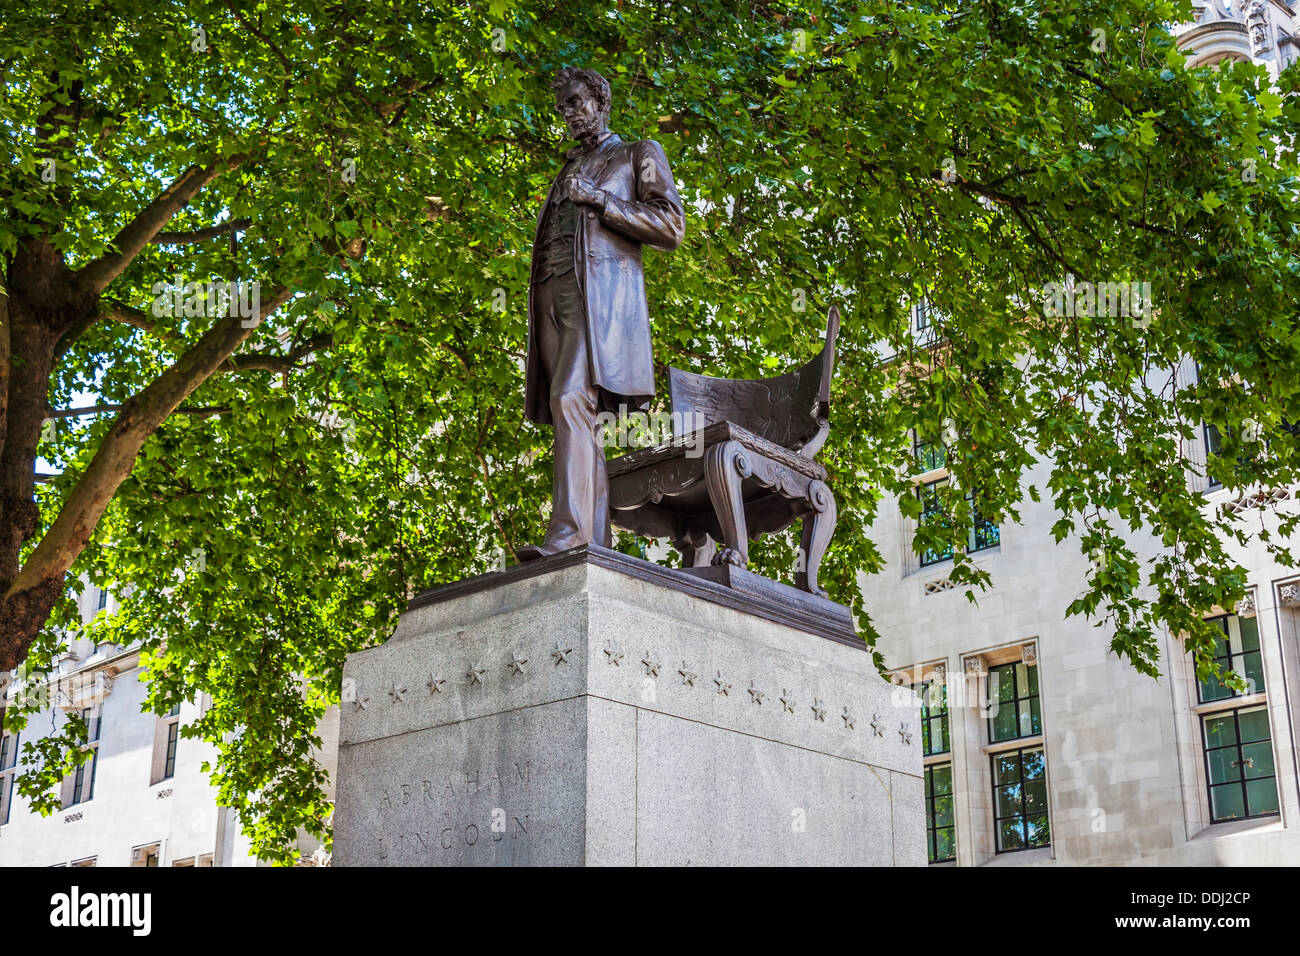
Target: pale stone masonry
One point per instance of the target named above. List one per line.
(1127, 758)
(603, 711)
(1126, 770)
(145, 801)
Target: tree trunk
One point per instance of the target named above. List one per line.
(31, 334)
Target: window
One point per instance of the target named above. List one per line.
(146, 855)
(1212, 444)
(940, 827)
(922, 311)
(1020, 800)
(205, 859)
(169, 765)
(88, 861)
(8, 765)
(166, 738)
(188, 861)
(82, 785)
(8, 751)
(931, 454)
(1238, 650)
(103, 599)
(1239, 764)
(1013, 702)
(934, 717)
(983, 534)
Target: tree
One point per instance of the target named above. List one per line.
(266, 490)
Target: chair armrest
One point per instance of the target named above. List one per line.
(814, 444)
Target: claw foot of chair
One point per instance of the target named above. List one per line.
(729, 556)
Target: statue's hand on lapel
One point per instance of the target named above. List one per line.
(583, 190)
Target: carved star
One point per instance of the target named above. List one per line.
(756, 695)
(475, 675)
(360, 703)
(877, 726)
(688, 676)
(435, 684)
(651, 666)
(819, 712)
(398, 694)
(850, 721)
(787, 701)
(905, 734)
(723, 687)
(561, 654)
(517, 663)
(614, 655)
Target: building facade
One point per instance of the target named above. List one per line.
(1041, 746)
(143, 799)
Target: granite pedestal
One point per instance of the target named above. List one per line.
(592, 708)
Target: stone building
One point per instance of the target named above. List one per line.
(1042, 747)
(143, 798)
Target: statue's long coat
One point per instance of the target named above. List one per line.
(643, 208)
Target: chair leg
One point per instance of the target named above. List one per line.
(818, 526)
(725, 466)
(696, 548)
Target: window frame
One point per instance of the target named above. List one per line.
(82, 788)
(147, 852)
(978, 523)
(1016, 700)
(1214, 483)
(927, 719)
(1227, 659)
(1210, 785)
(169, 752)
(928, 466)
(166, 746)
(9, 747)
(1023, 816)
(931, 825)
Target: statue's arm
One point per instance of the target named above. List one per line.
(655, 217)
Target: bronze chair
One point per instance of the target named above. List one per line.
(749, 470)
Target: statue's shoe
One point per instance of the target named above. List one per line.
(531, 552)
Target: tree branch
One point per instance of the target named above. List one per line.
(135, 235)
(201, 235)
(203, 411)
(139, 418)
(270, 362)
(279, 54)
(115, 312)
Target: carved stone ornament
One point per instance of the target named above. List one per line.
(1246, 606)
(1257, 25)
(80, 691)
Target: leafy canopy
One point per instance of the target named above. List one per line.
(867, 153)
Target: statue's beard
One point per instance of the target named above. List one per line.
(586, 129)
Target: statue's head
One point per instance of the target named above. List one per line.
(582, 100)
